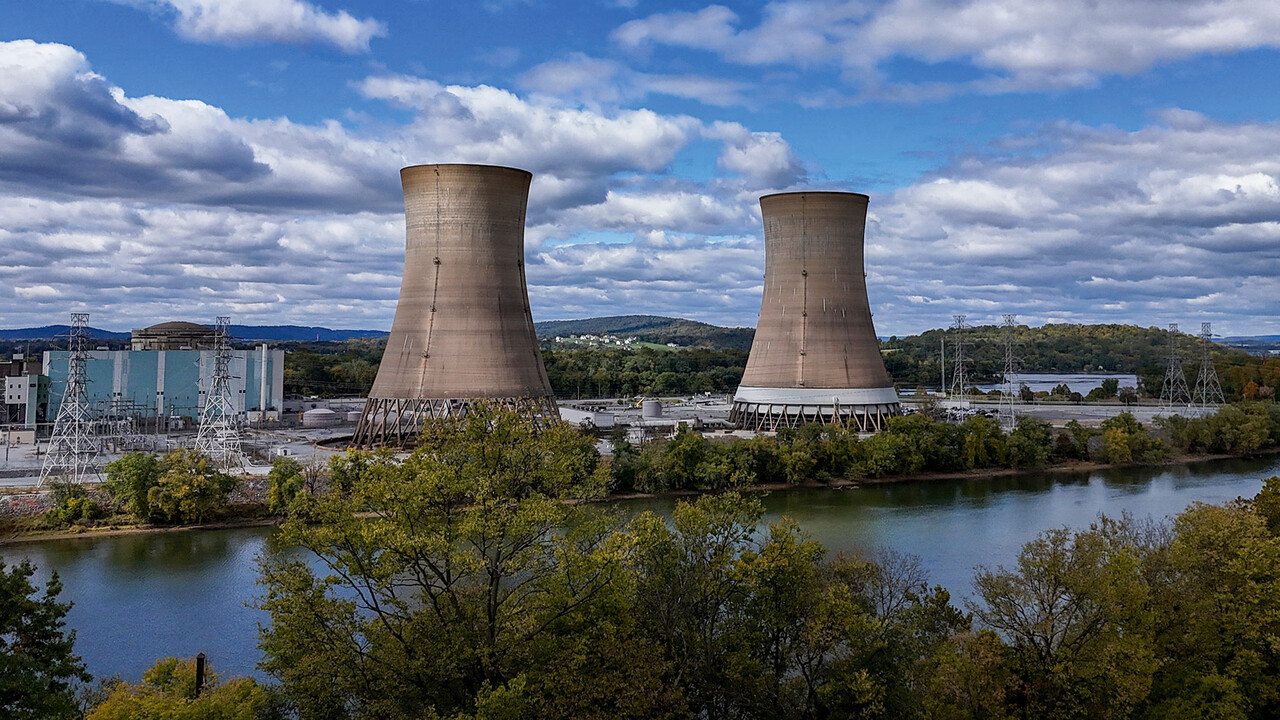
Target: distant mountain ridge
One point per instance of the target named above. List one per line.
(651, 328)
(275, 333)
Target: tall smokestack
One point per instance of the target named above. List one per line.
(462, 331)
(815, 357)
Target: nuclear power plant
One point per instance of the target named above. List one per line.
(815, 356)
(462, 331)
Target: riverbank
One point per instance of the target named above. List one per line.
(14, 535)
(1074, 467)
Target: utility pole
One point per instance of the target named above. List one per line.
(959, 378)
(1009, 398)
(1208, 392)
(1174, 393)
(219, 432)
(73, 445)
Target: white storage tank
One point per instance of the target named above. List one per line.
(319, 417)
(650, 409)
(354, 415)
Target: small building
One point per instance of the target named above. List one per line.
(26, 393)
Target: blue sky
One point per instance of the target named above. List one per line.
(1116, 161)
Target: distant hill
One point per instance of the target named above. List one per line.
(283, 333)
(270, 333)
(652, 328)
(50, 332)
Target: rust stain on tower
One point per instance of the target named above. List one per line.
(462, 332)
(815, 357)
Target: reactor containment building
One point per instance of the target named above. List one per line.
(462, 331)
(815, 356)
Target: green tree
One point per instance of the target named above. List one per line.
(459, 582)
(1074, 613)
(167, 691)
(1029, 443)
(38, 669)
(189, 490)
(284, 482)
(130, 479)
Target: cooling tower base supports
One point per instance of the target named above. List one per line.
(771, 417)
(397, 421)
(770, 409)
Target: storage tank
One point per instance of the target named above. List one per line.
(462, 331)
(650, 409)
(319, 417)
(815, 356)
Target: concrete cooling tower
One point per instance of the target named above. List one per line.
(462, 332)
(815, 357)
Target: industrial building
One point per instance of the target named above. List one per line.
(171, 383)
(462, 331)
(26, 393)
(173, 335)
(815, 356)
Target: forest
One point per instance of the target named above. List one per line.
(469, 581)
(329, 369)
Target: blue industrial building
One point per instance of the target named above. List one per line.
(171, 383)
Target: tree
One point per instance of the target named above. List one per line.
(459, 581)
(1073, 613)
(189, 490)
(284, 482)
(1029, 443)
(130, 479)
(38, 669)
(167, 691)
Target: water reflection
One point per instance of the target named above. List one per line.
(141, 597)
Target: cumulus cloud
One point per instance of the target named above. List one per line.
(597, 80)
(139, 209)
(238, 22)
(1019, 44)
(1173, 222)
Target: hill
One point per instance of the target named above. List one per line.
(652, 328)
(50, 332)
(271, 333)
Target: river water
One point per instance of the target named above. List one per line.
(141, 597)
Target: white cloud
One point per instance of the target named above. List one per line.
(596, 80)
(1020, 44)
(236, 22)
(140, 209)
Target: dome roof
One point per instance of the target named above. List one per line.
(180, 326)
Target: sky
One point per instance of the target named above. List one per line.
(1085, 162)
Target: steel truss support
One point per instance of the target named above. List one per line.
(771, 417)
(396, 422)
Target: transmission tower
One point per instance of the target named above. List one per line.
(1009, 398)
(1208, 392)
(1174, 392)
(74, 445)
(219, 433)
(959, 378)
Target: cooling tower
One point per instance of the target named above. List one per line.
(815, 357)
(462, 332)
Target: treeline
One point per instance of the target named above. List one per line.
(328, 369)
(331, 369)
(916, 444)
(618, 372)
(1066, 348)
(467, 582)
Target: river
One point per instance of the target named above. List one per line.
(141, 597)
